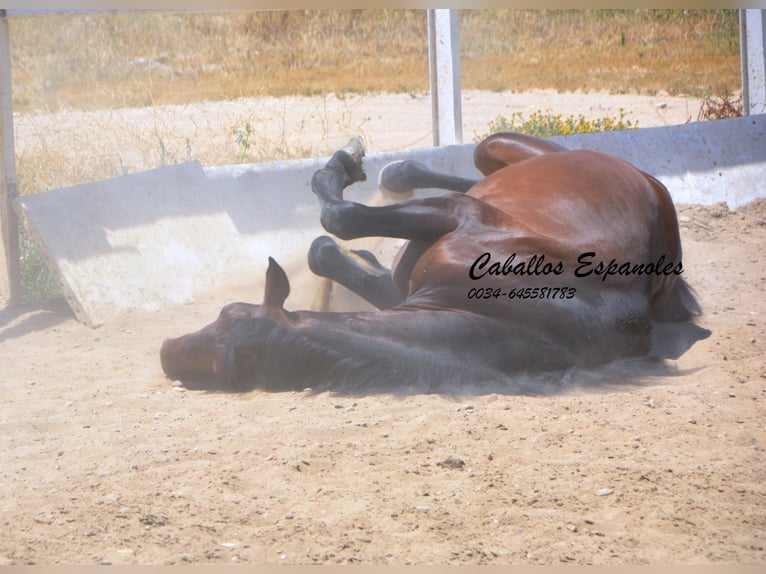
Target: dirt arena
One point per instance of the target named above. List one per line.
(104, 461)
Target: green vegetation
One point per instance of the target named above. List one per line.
(36, 281)
(545, 124)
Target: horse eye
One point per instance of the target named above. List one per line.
(292, 315)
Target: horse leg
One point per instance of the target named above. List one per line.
(402, 177)
(491, 154)
(357, 270)
(504, 148)
(424, 219)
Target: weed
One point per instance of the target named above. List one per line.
(717, 108)
(167, 157)
(546, 124)
(37, 284)
(244, 139)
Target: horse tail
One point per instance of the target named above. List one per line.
(682, 304)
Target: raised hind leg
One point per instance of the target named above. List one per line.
(404, 176)
(494, 152)
(504, 148)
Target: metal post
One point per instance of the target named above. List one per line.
(752, 41)
(444, 69)
(10, 275)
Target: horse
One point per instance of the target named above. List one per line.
(555, 259)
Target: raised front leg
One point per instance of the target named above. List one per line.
(356, 270)
(420, 219)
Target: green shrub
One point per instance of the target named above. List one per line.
(37, 284)
(545, 124)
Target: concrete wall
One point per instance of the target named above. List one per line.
(170, 235)
(703, 162)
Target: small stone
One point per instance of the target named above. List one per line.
(605, 492)
(44, 519)
(452, 462)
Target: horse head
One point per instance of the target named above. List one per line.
(216, 352)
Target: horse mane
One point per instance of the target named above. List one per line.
(264, 353)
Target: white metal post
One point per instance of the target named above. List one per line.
(752, 24)
(444, 68)
(10, 279)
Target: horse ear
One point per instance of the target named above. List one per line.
(277, 286)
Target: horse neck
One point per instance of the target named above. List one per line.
(376, 350)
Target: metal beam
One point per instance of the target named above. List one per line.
(10, 275)
(444, 69)
(752, 24)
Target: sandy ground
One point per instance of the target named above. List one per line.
(104, 460)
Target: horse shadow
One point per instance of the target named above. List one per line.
(20, 320)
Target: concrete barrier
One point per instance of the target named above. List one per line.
(701, 163)
(170, 235)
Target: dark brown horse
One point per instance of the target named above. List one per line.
(555, 259)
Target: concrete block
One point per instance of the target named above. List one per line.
(146, 240)
(700, 163)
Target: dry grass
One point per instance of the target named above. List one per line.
(621, 51)
(150, 59)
